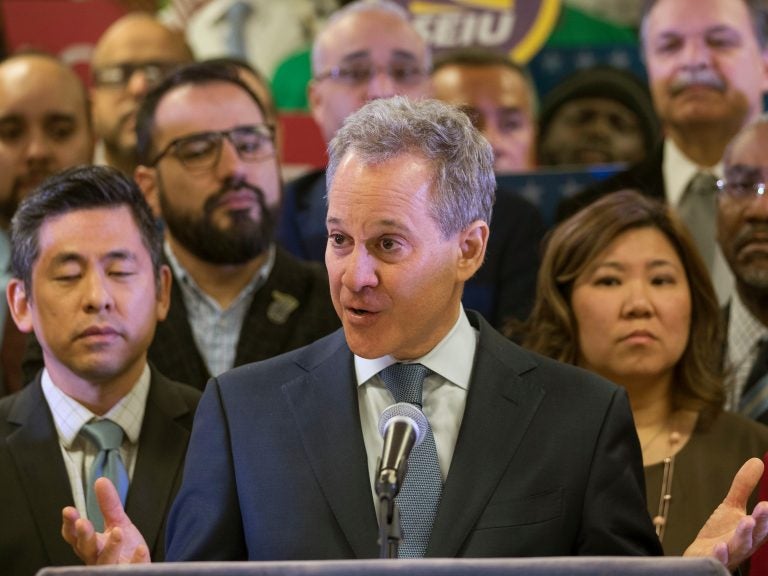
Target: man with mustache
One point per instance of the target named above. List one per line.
(44, 127)
(131, 56)
(707, 67)
(742, 225)
(88, 279)
(208, 167)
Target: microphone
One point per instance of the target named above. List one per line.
(403, 426)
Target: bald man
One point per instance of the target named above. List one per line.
(44, 125)
(132, 55)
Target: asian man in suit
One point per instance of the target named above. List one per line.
(532, 458)
(88, 279)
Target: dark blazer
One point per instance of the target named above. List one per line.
(547, 463)
(504, 286)
(646, 177)
(34, 485)
(269, 328)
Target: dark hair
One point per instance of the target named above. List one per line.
(243, 65)
(197, 73)
(478, 57)
(573, 246)
(79, 188)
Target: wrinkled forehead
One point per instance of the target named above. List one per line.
(39, 87)
(686, 17)
(370, 34)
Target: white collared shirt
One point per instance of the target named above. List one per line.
(273, 30)
(744, 334)
(443, 397)
(678, 170)
(68, 418)
(216, 330)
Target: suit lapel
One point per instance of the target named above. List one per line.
(34, 448)
(325, 408)
(500, 407)
(162, 447)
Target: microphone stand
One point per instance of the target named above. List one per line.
(387, 487)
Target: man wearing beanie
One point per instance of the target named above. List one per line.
(600, 115)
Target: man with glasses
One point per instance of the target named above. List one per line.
(366, 50)
(208, 167)
(132, 55)
(742, 224)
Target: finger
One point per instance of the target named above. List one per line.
(109, 502)
(86, 546)
(740, 545)
(69, 515)
(140, 555)
(744, 483)
(720, 552)
(760, 516)
(113, 545)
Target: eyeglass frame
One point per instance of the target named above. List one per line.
(128, 69)
(758, 189)
(337, 73)
(221, 135)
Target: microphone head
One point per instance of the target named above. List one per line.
(404, 411)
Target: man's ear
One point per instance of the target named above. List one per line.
(146, 178)
(19, 305)
(473, 241)
(164, 292)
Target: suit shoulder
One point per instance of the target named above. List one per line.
(541, 370)
(284, 367)
(188, 394)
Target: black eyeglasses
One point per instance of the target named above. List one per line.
(741, 189)
(118, 75)
(405, 73)
(201, 151)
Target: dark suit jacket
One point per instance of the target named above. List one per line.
(266, 332)
(547, 463)
(646, 177)
(34, 485)
(504, 286)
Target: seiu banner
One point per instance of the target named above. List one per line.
(518, 28)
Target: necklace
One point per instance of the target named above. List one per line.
(665, 497)
(653, 438)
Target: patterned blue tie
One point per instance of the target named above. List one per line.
(107, 437)
(423, 484)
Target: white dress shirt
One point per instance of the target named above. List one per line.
(273, 30)
(69, 416)
(743, 341)
(443, 397)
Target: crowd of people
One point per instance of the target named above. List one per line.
(220, 345)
